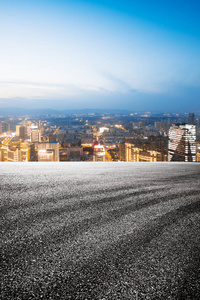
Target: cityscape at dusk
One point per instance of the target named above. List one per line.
(100, 149)
(103, 137)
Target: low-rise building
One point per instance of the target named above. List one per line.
(99, 153)
(48, 152)
(130, 153)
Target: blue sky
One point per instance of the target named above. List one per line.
(137, 55)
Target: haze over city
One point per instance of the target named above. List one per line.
(134, 55)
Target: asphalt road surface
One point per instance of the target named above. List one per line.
(100, 231)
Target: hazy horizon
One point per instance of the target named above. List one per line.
(20, 111)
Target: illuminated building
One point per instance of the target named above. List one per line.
(48, 152)
(27, 152)
(23, 153)
(151, 156)
(36, 136)
(103, 129)
(99, 153)
(10, 154)
(182, 142)
(20, 131)
(63, 154)
(128, 152)
(13, 154)
(17, 130)
(198, 151)
(86, 142)
(4, 153)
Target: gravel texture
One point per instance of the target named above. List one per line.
(100, 231)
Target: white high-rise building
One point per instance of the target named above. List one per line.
(182, 142)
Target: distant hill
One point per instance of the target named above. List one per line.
(47, 111)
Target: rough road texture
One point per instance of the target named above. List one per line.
(100, 231)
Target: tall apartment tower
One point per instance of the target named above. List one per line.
(22, 132)
(182, 142)
(36, 136)
(191, 118)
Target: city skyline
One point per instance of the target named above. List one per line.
(101, 54)
(105, 137)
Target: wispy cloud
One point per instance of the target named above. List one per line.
(40, 89)
(84, 54)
